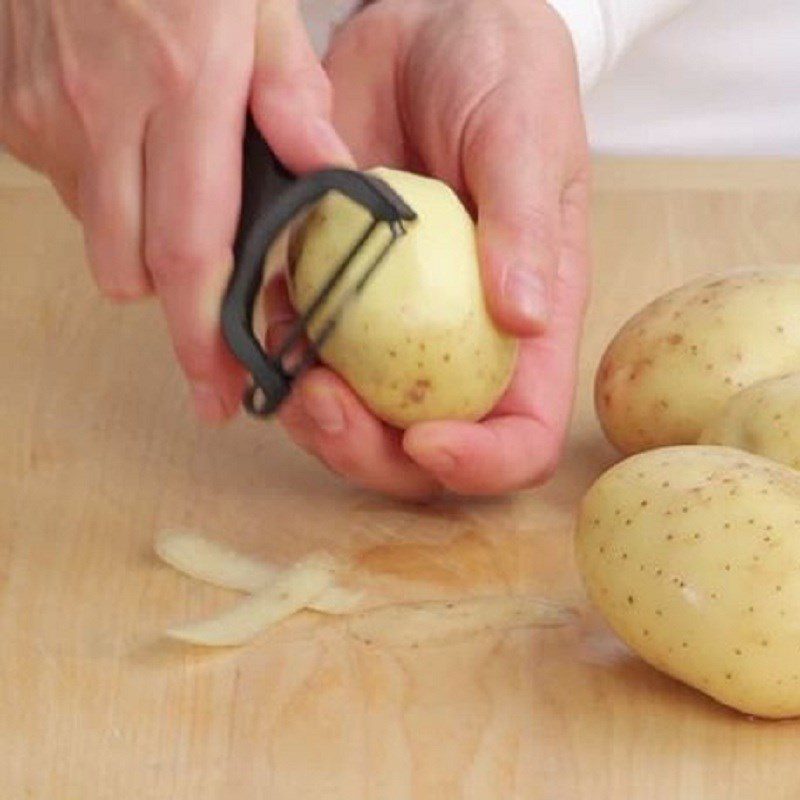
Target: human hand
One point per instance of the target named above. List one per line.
(482, 94)
(135, 110)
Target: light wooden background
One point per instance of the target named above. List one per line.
(99, 452)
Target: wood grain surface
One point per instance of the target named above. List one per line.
(100, 452)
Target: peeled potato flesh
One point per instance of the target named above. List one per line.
(417, 343)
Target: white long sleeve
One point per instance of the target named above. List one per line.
(720, 79)
(602, 30)
(322, 16)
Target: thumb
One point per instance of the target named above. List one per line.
(513, 173)
(291, 94)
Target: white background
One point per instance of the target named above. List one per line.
(723, 78)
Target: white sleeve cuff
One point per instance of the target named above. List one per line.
(603, 29)
(584, 19)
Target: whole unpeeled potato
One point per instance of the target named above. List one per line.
(417, 343)
(672, 367)
(762, 419)
(693, 556)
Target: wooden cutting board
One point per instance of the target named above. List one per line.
(100, 452)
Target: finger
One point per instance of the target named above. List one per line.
(366, 101)
(362, 451)
(518, 208)
(280, 316)
(352, 442)
(192, 169)
(326, 419)
(500, 455)
(291, 94)
(110, 207)
(279, 312)
(521, 445)
(66, 186)
(297, 424)
(280, 319)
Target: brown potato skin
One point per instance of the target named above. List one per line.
(673, 366)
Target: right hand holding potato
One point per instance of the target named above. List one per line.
(135, 111)
(482, 95)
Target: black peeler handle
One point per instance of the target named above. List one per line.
(264, 179)
(271, 198)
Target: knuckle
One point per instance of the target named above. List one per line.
(119, 274)
(122, 291)
(341, 460)
(547, 471)
(122, 294)
(25, 108)
(320, 86)
(195, 355)
(548, 466)
(176, 67)
(539, 226)
(175, 262)
(482, 102)
(295, 422)
(536, 232)
(80, 89)
(274, 85)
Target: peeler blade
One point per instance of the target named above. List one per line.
(271, 199)
(397, 230)
(318, 341)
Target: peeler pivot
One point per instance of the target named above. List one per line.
(271, 198)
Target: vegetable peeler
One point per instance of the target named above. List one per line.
(271, 198)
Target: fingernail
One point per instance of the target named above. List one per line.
(324, 408)
(526, 291)
(329, 141)
(434, 459)
(208, 404)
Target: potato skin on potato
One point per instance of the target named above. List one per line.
(692, 554)
(764, 419)
(418, 343)
(672, 367)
